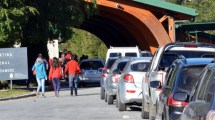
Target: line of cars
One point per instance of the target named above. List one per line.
(177, 83)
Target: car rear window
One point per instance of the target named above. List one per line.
(189, 76)
(91, 65)
(140, 67)
(121, 65)
(194, 54)
(131, 54)
(115, 54)
(110, 63)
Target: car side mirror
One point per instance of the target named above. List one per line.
(155, 84)
(181, 96)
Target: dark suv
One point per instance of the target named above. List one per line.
(202, 98)
(181, 77)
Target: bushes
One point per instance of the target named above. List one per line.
(4, 84)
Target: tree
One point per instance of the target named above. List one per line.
(14, 14)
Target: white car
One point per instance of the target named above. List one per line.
(123, 52)
(129, 89)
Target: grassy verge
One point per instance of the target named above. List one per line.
(14, 92)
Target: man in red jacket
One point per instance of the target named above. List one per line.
(73, 70)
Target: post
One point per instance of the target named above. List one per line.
(11, 84)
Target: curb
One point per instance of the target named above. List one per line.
(18, 97)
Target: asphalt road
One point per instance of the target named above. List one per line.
(86, 106)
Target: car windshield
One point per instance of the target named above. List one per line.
(115, 54)
(110, 63)
(189, 76)
(140, 67)
(131, 54)
(91, 65)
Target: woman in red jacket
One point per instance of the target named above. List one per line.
(55, 74)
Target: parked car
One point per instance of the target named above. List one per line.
(163, 58)
(129, 89)
(181, 77)
(105, 72)
(202, 97)
(112, 79)
(123, 52)
(91, 71)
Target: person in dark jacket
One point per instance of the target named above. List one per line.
(40, 75)
(73, 70)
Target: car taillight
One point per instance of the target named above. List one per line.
(128, 78)
(172, 102)
(105, 68)
(115, 78)
(130, 91)
(104, 75)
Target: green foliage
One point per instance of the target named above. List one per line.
(14, 14)
(85, 43)
(205, 9)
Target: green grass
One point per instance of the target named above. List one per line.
(14, 92)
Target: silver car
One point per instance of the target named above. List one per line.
(91, 71)
(112, 79)
(105, 72)
(129, 90)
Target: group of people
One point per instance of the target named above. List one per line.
(56, 72)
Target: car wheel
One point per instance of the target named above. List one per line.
(145, 110)
(102, 94)
(105, 97)
(109, 99)
(121, 106)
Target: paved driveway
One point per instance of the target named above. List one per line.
(86, 106)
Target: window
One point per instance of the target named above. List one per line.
(170, 74)
(110, 63)
(115, 54)
(203, 85)
(197, 85)
(210, 89)
(121, 66)
(131, 54)
(141, 66)
(91, 65)
(188, 76)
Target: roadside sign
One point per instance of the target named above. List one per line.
(13, 64)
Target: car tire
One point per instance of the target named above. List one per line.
(105, 97)
(109, 99)
(102, 94)
(121, 106)
(145, 110)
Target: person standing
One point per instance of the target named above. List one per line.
(73, 70)
(40, 75)
(55, 74)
